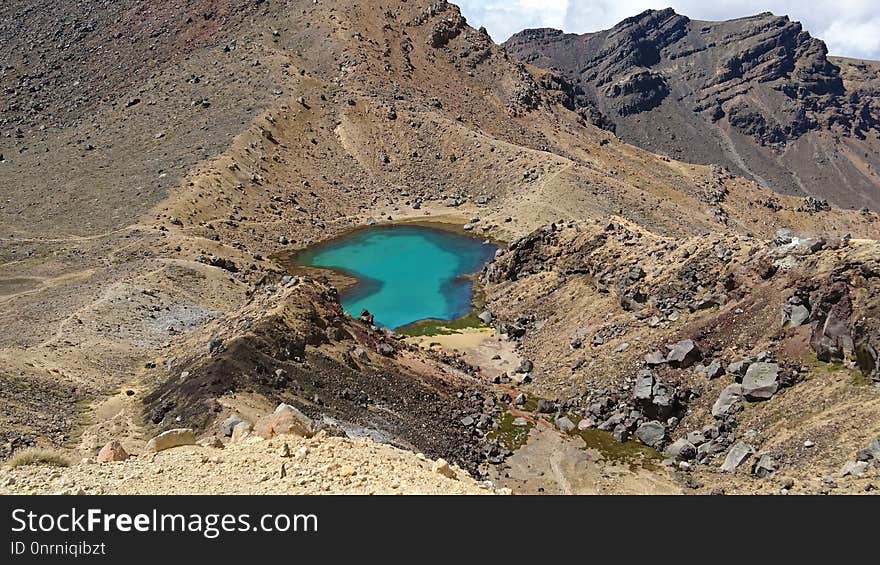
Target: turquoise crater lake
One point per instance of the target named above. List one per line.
(404, 273)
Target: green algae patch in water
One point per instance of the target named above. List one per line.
(404, 273)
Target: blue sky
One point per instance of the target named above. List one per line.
(850, 28)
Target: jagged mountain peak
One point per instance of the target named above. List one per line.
(758, 94)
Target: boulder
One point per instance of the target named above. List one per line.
(564, 424)
(710, 448)
(651, 433)
(854, 468)
(385, 349)
(681, 450)
(523, 378)
(764, 466)
(829, 331)
(620, 433)
(486, 317)
(870, 453)
(684, 354)
(286, 420)
(241, 430)
(654, 358)
(727, 401)
(172, 438)
(441, 467)
(794, 315)
(736, 456)
(714, 370)
(586, 424)
(739, 367)
(696, 437)
(613, 421)
(546, 406)
(229, 423)
(113, 451)
(761, 381)
(663, 402)
(643, 389)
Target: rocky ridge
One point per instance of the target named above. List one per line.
(754, 90)
(700, 330)
(146, 292)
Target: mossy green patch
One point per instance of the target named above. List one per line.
(819, 368)
(509, 436)
(630, 452)
(433, 326)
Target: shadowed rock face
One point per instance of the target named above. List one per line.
(757, 94)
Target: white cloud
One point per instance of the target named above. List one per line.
(849, 27)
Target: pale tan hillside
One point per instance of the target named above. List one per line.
(320, 465)
(153, 192)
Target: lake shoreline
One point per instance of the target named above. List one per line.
(350, 263)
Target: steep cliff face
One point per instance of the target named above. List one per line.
(758, 94)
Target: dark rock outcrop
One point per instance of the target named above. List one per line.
(744, 89)
(830, 335)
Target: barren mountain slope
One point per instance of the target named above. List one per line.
(146, 217)
(603, 312)
(756, 94)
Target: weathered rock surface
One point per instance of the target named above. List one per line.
(761, 381)
(727, 401)
(684, 354)
(765, 466)
(113, 451)
(736, 456)
(169, 439)
(681, 449)
(622, 78)
(227, 425)
(286, 420)
(651, 433)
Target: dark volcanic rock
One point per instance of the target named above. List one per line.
(684, 354)
(727, 401)
(866, 343)
(761, 381)
(651, 433)
(736, 456)
(830, 336)
(681, 449)
(763, 79)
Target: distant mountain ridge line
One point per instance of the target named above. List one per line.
(761, 82)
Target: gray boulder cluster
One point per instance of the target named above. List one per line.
(866, 457)
(651, 410)
(755, 379)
